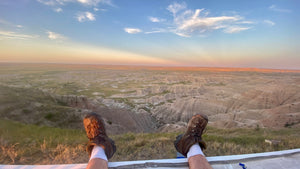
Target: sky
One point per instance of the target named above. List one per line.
(214, 33)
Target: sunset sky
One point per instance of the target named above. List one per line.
(214, 33)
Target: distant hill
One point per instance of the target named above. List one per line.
(149, 99)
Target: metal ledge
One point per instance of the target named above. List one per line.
(275, 160)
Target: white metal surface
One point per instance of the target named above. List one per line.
(273, 160)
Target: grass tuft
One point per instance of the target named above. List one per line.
(31, 144)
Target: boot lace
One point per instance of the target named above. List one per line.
(197, 130)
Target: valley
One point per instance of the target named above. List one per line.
(149, 99)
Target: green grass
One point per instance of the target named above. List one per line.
(33, 106)
(241, 141)
(31, 144)
(16, 132)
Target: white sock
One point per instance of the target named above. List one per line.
(98, 152)
(195, 150)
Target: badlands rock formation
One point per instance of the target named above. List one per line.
(145, 99)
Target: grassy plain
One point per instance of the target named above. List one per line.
(40, 120)
(32, 144)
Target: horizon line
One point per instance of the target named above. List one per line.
(163, 66)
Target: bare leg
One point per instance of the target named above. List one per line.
(198, 162)
(97, 163)
(190, 144)
(100, 147)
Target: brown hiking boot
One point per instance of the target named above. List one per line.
(192, 135)
(95, 131)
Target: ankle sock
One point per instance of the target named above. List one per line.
(98, 152)
(195, 150)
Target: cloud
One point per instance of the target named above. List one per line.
(154, 19)
(235, 29)
(55, 36)
(268, 22)
(187, 22)
(276, 9)
(90, 16)
(190, 22)
(97, 9)
(246, 22)
(85, 16)
(182, 34)
(176, 7)
(14, 35)
(84, 2)
(58, 10)
(132, 30)
(4, 22)
(95, 2)
(53, 2)
(157, 31)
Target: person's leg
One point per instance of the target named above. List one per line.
(98, 159)
(97, 163)
(196, 158)
(100, 146)
(190, 144)
(198, 162)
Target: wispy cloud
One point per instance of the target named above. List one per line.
(155, 19)
(189, 22)
(53, 2)
(81, 16)
(277, 9)
(4, 22)
(90, 16)
(85, 16)
(97, 9)
(176, 7)
(270, 23)
(235, 29)
(246, 22)
(157, 30)
(95, 2)
(15, 35)
(55, 36)
(132, 30)
(58, 10)
(84, 2)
